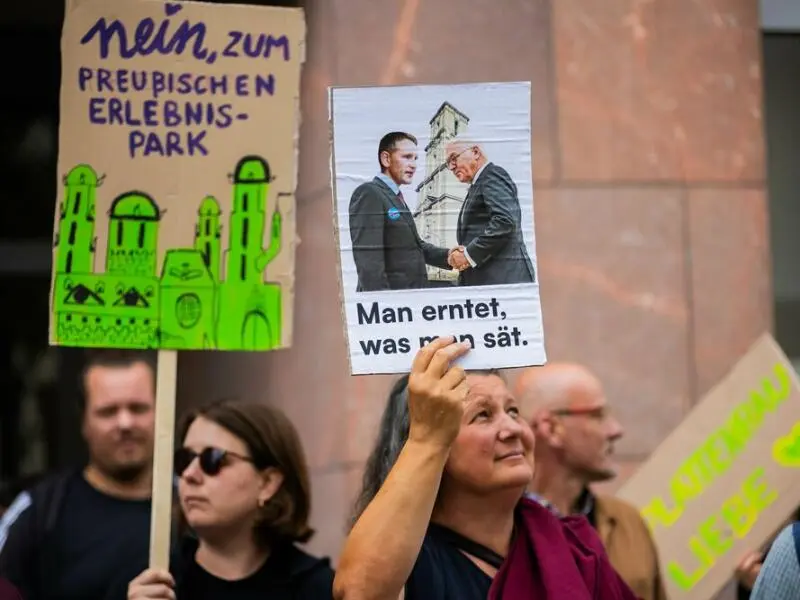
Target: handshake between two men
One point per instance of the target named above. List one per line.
(457, 259)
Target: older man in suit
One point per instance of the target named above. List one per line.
(491, 245)
(387, 249)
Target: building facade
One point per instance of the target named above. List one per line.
(440, 195)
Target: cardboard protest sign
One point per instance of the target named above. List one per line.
(727, 478)
(175, 221)
(433, 205)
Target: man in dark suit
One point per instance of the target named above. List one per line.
(491, 245)
(387, 249)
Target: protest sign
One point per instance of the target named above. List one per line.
(175, 224)
(433, 203)
(727, 478)
(175, 221)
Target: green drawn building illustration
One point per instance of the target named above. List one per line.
(188, 305)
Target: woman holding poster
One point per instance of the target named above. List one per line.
(442, 514)
(245, 493)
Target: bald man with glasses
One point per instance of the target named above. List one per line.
(575, 436)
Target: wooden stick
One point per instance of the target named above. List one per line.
(161, 511)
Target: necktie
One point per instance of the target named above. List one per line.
(402, 200)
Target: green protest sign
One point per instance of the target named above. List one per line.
(727, 478)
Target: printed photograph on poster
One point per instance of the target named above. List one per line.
(433, 201)
(174, 225)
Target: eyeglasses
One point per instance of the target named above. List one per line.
(597, 412)
(450, 161)
(211, 459)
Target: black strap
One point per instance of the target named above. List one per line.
(464, 544)
(48, 499)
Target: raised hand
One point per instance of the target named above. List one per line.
(436, 392)
(748, 568)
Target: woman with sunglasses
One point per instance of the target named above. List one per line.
(244, 494)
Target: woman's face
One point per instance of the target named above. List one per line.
(229, 499)
(494, 448)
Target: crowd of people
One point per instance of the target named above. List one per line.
(476, 488)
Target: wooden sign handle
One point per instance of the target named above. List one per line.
(161, 511)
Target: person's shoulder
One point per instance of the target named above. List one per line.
(56, 479)
(313, 574)
(300, 562)
(617, 507)
(780, 573)
(621, 511)
(53, 487)
(369, 187)
(495, 177)
(41, 495)
(785, 539)
(496, 170)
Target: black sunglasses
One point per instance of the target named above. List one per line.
(211, 459)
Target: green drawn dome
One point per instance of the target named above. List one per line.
(82, 175)
(209, 207)
(252, 169)
(135, 205)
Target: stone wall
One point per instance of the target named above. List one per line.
(651, 214)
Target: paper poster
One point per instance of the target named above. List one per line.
(433, 199)
(175, 217)
(727, 478)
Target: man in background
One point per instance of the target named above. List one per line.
(387, 249)
(76, 533)
(750, 564)
(491, 245)
(779, 576)
(575, 436)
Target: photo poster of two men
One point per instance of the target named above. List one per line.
(433, 200)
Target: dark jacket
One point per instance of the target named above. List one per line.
(25, 560)
(22, 560)
(387, 249)
(490, 227)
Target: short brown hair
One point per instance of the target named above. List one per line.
(113, 358)
(272, 441)
(390, 140)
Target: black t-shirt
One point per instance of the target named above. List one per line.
(443, 572)
(97, 539)
(289, 574)
(742, 593)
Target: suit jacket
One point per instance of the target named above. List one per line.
(630, 546)
(387, 249)
(489, 228)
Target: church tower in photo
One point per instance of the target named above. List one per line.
(440, 195)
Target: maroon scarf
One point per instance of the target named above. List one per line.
(556, 559)
(8, 591)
